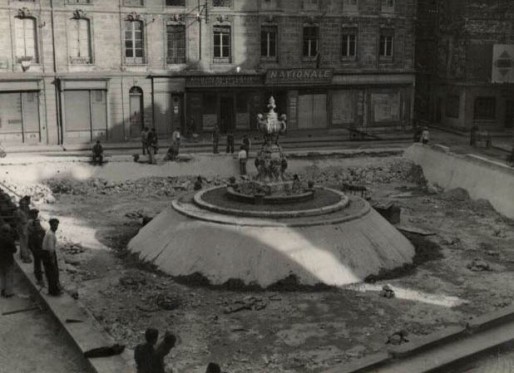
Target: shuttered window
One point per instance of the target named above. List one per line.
(80, 42)
(26, 45)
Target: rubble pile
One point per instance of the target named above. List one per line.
(382, 173)
(144, 187)
(39, 193)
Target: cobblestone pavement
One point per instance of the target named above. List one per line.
(31, 341)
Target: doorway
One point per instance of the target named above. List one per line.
(509, 114)
(226, 118)
(136, 111)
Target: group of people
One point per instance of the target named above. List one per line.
(149, 356)
(244, 149)
(36, 246)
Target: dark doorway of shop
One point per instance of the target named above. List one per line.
(226, 114)
(509, 114)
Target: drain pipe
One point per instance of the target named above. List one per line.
(58, 103)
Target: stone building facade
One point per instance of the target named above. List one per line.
(464, 61)
(72, 71)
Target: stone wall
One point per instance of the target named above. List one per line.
(483, 179)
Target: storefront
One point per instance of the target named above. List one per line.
(84, 106)
(230, 101)
(168, 105)
(20, 112)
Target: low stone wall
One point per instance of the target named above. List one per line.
(482, 178)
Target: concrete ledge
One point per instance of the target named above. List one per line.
(425, 343)
(86, 334)
(362, 365)
(492, 319)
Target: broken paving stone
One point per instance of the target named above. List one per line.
(398, 338)
(478, 265)
(166, 302)
(247, 303)
(492, 253)
(387, 292)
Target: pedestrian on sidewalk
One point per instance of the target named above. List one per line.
(230, 142)
(144, 139)
(153, 141)
(7, 250)
(473, 135)
(21, 218)
(425, 135)
(36, 234)
(246, 144)
(98, 153)
(50, 259)
(162, 349)
(143, 353)
(243, 158)
(215, 139)
(176, 139)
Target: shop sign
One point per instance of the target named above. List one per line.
(223, 81)
(299, 76)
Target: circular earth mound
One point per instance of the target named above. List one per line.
(324, 201)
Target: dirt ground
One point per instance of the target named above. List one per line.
(464, 268)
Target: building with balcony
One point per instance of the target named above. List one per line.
(77, 70)
(464, 63)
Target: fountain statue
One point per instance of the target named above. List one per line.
(271, 161)
(270, 184)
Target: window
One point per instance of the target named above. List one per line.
(349, 43)
(134, 52)
(175, 2)
(310, 4)
(387, 6)
(222, 3)
(133, 2)
(386, 45)
(452, 106)
(310, 41)
(350, 5)
(268, 4)
(269, 42)
(485, 108)
(79, 41)
(26, 45)
(79, 1)
(222, 44)
(176, 44)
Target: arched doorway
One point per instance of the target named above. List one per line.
(136, 111)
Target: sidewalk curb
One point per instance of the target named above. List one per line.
(426, 345)
(86, 334)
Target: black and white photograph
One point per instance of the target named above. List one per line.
(264, 186)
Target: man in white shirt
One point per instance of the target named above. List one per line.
(50, 259)
(243, 157)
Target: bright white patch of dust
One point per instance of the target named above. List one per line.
(322, 264)
(414, 295)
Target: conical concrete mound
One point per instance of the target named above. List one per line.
(334, 249)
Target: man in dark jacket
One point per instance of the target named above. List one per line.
(7, 250)
(143, 353)
(162, 349)
(36, 234)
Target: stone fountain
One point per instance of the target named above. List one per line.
(270, 185)
(262, 230)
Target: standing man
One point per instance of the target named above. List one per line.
(21, 217)
(36, 234)
(144, 139)
(151, 140)
(473, 135)
(162, 349)
(246, 144)
(143, 353)
(230, 142)
(50, 259)
(243, 157)
(7, 250)
(215, 139)
(98, 153)
(175, 138)
(425, 135)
